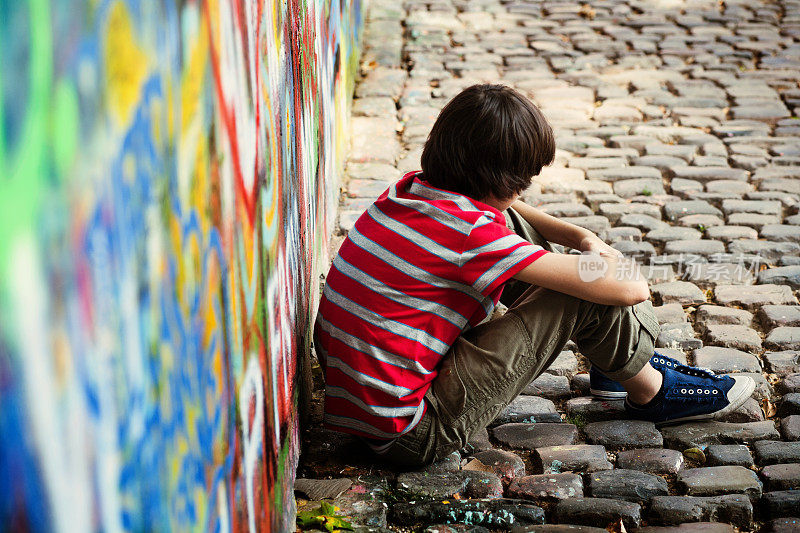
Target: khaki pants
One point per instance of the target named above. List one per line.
(488, 366)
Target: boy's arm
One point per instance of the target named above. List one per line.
(597, 278)
(564, 233)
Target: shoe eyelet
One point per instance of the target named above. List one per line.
(691, 391)
(715, 391)
(683, 391)
(707, 391)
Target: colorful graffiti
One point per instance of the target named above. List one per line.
(168, 180)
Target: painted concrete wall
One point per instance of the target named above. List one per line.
(168, 178)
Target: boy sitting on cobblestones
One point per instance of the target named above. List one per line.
(410, 363)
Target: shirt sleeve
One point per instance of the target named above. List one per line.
(493, 254)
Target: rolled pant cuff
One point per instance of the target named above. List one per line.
(644, 351)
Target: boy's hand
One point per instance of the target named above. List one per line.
(595, 244)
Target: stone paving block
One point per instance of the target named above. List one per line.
(700, 434)
(729, 455)
(564, 365)
(780, 315)
(718, 480)
(783, 338)
(770, 452)
(374, 106)
(706, 174)
(538, 435)
(615, 211)
(680, 209)
(672, 233)
(790, 383)
(624, 434)
(651, 460)
(723, 360)
(710, 274)
(372, 171)
(761, 207)
(769, 251)
(780, 503)
(548, 386)
(634, 249)
(783, 362)
(506, 465)
(730, 233)
(622, 233)
(565, 209)
(629, 485)
(708, 315)
(596, 224)
(678, 336)
(639, 186)
(587, 408)
(785, 275)
(752, 297)
(734, 336)
(790, 404)
(528, 409)
(433, 485)
(790, 427)
(701, 222)
(579, 383)
(781, 525)
(358, 188)
(736, 509)
(643, 222)
(497, 513)
(681, 292)
(382, 81)
(572, 458)
(696, 247)
(598, 511)
(669, 313)
(780, 233)
(781, 476)
(693, 527)
(547, 487)
(751, 220)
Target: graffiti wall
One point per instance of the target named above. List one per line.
(168, 178)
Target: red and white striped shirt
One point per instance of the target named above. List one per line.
(419, 267)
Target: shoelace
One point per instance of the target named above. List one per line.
(698, 371)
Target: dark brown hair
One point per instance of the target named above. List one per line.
(488, 140)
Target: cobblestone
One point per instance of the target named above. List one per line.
(675, 144)
(624, 434)
(547, 487)
(629, 485)
(574, 458)
(593, 511)
(729, 455)
(717, 480)
(736, 509)
(532, 436)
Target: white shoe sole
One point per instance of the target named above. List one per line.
(741, 391)
(608, 395)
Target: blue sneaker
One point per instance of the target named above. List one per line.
(605, 388)
(694, 396)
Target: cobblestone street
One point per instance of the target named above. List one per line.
(679, 143)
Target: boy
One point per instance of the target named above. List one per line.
(409, 365)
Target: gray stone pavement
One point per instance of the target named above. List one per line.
(679, 143)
